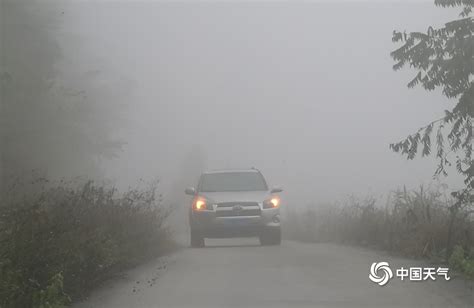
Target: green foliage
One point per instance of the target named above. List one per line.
(15, 291)
(64, 240)
(460, 261)
(444, 59)
(457, 257)
(53, 296)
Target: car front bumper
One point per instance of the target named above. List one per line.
(208, 224)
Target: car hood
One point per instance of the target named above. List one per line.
(236, 196)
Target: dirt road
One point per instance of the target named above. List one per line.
(240, 273)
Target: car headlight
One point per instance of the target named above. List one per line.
(273, 202)
(202, 204)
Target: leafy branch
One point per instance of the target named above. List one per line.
(444, 59)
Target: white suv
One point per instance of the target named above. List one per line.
(234, 203)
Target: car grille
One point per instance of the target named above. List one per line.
(253, 212)
(231, 204)
(236, 209)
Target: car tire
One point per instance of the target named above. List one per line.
(197, 241)
(270, 237)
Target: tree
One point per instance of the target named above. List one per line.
(443, 58)
(55, 120)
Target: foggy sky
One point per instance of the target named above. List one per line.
(304, 91)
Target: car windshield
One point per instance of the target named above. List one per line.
(232, 181)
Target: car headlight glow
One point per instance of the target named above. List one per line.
(201, 204)
(273, 202)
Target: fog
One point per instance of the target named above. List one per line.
(304, 91)
(110, 110)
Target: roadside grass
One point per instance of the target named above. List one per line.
(462, 261)
(58, 242)
(417, 223)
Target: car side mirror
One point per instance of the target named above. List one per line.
(190, 191)
(276, 190)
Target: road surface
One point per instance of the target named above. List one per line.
(240, 273)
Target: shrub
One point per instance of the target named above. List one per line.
(461, 261)
(412, 223)
(60, 241)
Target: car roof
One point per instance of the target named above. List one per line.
(230, 171)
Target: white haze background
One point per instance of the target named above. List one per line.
(304, 91)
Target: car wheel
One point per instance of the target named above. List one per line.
(270, 237)
(197, 240)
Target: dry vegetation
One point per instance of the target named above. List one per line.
(412, 223)
(62, 240)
